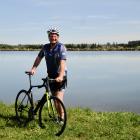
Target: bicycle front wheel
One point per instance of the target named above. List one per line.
(23, 107)
(50, 116)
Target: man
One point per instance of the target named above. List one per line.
(55, 56)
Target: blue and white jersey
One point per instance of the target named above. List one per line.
(53, 57)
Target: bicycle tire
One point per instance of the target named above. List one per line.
(49, 116)
(23, 107)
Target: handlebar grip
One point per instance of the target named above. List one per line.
(28, 72)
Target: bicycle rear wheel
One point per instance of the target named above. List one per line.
(23, 107)
(49, 116)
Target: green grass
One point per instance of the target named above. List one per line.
(83, 124)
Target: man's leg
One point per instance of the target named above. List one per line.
(60, 95)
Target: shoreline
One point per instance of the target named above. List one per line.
(77, 49)
(74, 47)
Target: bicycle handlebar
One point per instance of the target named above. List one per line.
(45, 80)
(28, 72)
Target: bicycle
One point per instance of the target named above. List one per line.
(49, 114)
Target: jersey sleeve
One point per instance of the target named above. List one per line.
(41, 53)
(63, 53)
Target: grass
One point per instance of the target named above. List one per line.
(83, 124)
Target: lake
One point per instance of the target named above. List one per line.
(100, 80)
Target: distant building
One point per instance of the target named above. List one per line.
(134, 43)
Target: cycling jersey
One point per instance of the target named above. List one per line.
(53, 57)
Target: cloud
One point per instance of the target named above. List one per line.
(120, 38)
(99, 17)
(84, 27)
(19, 29)
(124, 22)
(49, 2)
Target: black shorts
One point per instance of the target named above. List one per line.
(58, 86)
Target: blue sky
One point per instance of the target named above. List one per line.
(79, 21)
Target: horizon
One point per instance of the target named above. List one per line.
(77, 43)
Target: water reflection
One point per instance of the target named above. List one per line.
(103, 81)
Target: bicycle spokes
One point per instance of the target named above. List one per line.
(50, 116)
(23, 107)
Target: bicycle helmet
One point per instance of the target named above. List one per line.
(53, 31)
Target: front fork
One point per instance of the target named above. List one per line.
(50, 105)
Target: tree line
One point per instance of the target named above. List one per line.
(131, 45)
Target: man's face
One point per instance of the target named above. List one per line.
(53, 38)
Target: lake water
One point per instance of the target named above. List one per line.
(101, 80)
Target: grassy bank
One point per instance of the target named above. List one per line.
(83, 124)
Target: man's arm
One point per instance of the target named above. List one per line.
(62, 71)
(35, 65)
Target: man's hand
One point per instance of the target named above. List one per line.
(32, 71)
(59, 79)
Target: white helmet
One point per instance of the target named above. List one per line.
(53, 31)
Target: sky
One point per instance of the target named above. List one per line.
(79, 21)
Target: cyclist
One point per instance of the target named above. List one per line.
(55, 56)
